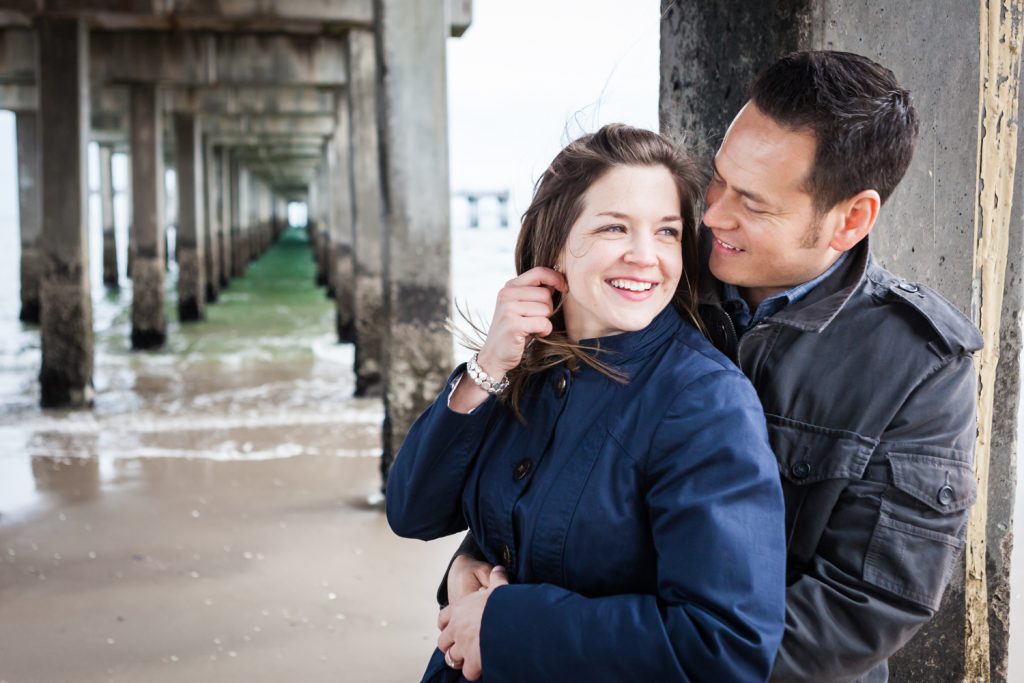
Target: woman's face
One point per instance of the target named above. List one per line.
(623, 257)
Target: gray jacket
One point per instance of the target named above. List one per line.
(868, 387)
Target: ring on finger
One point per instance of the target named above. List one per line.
(451, 662)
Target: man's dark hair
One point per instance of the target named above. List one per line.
(863, 121)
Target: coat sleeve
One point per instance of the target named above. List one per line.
(889, 546)
(423, 497)
(716, 514)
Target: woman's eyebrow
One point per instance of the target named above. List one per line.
(623, 216)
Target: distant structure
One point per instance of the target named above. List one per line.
(341, 105)
(473, 197)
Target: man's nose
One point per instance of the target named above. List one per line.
(716, 213)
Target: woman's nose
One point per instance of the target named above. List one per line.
(641, 252)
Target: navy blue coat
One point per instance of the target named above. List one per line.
(641, 523)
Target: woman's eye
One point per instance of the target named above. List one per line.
(613, 228)
(674, 233)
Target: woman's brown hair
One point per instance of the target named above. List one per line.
(557, 204)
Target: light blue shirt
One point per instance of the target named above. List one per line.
(737, 308)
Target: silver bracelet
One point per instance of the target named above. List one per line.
(483, 380)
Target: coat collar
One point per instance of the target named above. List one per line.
(634, 345)
(814, 312)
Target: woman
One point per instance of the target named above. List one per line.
(609, 460)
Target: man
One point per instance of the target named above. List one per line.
(867, 380)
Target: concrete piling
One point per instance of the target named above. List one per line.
(222, 159)
(30, 212)
(322, 236)
(149, 321)
(340, 257)
(65, 303)
(239, 249)
(191, 236)
(211, 215)
(110, 274)
(368, 298)
(418, 349)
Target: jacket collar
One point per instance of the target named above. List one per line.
(628, 346)
(814, 312)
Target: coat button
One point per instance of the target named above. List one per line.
(908, 286)
(506, 556)
(522, 469)
(946, 495)
(560, 386)
(800, 469)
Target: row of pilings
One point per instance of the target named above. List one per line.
(340, 106)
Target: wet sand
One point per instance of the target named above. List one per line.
(215, 516)
(198, 570)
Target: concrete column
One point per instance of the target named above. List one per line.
(252, 221)
(242, 211)
(190, 247)
(262, 221)
(313, 216)
(30, 212)
(239, 254)
(110, 277)
(322, 240)
(418, 350)
(211, 213)
(222, 159)
(66, 306)
(342, 273)
(926, 232)
(149, 321)
(369, 213)
(130, 232)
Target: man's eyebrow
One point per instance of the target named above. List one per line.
(622, 216)
(752, 196)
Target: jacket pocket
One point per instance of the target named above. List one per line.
(808, 454)
(918, 537)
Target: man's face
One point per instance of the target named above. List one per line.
(768, 235)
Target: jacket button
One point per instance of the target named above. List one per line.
(946, 495)
(908, 286)
(522, 469)
(506, 556)
(560, 386)
(800, 470)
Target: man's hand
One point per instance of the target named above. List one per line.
(460, 627)
(467, 575)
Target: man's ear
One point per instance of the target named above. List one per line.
(856, 218)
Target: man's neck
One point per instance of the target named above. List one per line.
(755, 295)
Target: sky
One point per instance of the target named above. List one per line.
(527, 77)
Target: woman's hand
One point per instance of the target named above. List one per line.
(460, 627)
(524, 308)
(467, 575)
